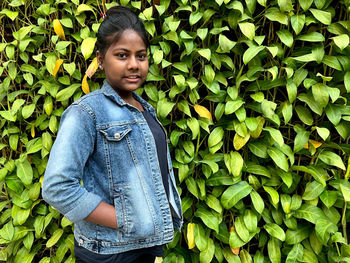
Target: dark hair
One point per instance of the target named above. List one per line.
(117, 20)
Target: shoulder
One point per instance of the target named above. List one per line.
(90, 102)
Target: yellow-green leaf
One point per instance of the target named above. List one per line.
(87, 47)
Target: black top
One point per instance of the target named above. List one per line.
(85, 255)
(160, 139)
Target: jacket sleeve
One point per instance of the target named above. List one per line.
(74, 144)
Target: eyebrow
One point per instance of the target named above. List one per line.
(127, 50)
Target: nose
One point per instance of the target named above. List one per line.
(133, 63)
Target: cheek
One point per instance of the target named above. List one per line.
(146, 66)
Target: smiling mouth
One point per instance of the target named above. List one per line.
(135, 78)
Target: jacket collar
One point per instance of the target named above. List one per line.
(109, 92)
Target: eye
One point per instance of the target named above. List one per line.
(121, 55)
(142, 56)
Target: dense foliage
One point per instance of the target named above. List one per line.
(254, 96)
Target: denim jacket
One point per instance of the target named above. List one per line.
(105, 151)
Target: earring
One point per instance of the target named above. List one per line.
(100, 66)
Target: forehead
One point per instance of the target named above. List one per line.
(129, 40)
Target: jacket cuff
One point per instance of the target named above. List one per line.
(84, 207)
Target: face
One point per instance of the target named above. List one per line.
(125, 63)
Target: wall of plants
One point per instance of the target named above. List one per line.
(254, 95)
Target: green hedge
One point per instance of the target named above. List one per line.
(254, 95)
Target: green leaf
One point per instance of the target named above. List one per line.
(7, 231)
(310, 213)
(236, 162)
(304, 115)
(318, 53)
(200, 238)
(323, 229)
(19, 215)
(202, 33)
(208, 218)
(345, 191)
(164, 107)
(258, 148)
(215, 136)
(241, 229)
(279, 158)
(67, 92)
(296, 236)
(207, 255)
(54, 238)
(235, 193)
(342, 41)
(286, 37)
(287, 178)
(28, 110)
(309, 256)
(274, 250)
(235, 240)
(225, 44)
(23, 32)
(69, 67)
(257, 201)
(300, 140)
(251, 52)
(332, 158)
(10, 14)
(274, 14)
(214, 203)
(296, 254)
(248, 29)
(158, 56)
(305, 4)
(192, 186)
(312, 37)
(347, 81)
(323, 132)
(320, 93)
(257, 169)
(329, 198)
(332, 62)
(285, 5)
(322, 16)
(233, 106)
(24, 171)
(276, 135)
(273, 194)
(205, 52)
(275, 231)
(313, 190)
(298, 22)
(87, 47)
(195, 17)
(250, 220)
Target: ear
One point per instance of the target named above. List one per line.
(99, 59)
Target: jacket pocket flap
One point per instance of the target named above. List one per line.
(116, 133)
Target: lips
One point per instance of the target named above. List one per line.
(132, 78)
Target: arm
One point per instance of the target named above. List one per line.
(74, 144)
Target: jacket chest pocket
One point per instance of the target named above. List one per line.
(116, 133)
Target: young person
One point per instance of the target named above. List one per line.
(109, 169)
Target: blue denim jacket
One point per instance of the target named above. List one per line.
(105, 151)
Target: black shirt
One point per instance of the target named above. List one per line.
(161, 144)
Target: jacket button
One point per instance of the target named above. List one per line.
(117, 136)
(81, 241)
